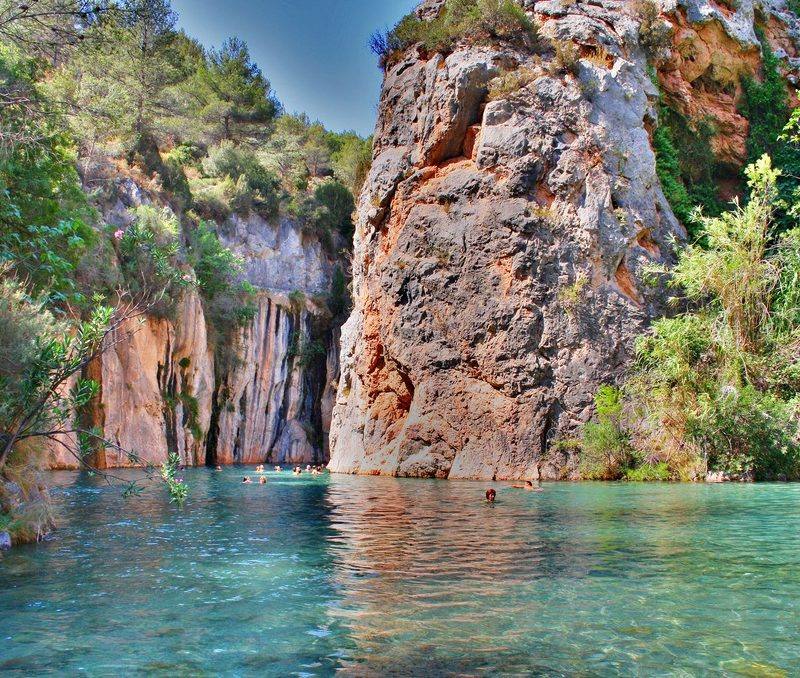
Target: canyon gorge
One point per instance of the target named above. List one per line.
(162, 387)
(500, 265)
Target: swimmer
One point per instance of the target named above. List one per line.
(490, 495)
(218, 468)
(262, 480)
(527, 486)
(246, 480)
(297, 470)
(278, 469)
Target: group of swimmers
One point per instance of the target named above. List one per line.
(313, 470)
(491, 493)
(297, 471)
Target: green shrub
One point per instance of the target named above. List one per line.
(173, 179)
(149, 252)
(571, 296)
(766, 106)
(214, 198)
(605, 444)
(25, 323)
(246, 311)
(339, 207)
(668, 169)
(351, 158)
(686, 166)
(297, 300)
(648, 472)
(255, 186)
(44, 214)
(310, 353)
(217, 268)
(339, 297)
(719, 381)
(314, 218)
(478, 21)
(229, 300)
(191, 408)
(510, 83)
(186, 154)
(746, 431)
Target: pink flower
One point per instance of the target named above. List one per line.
(119, 234)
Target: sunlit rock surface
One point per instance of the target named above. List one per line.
(501, 245)
(164, 388)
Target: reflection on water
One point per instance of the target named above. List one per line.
(376, 576)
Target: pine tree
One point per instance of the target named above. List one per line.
(231, 94)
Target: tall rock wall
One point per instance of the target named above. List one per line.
(269, 406)
(501, 244)
(265, 394)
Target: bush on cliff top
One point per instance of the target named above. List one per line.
(149, 253)
(479, 21)
(258, 188)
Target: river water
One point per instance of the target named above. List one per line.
(379, 576)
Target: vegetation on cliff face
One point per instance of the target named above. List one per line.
(99, 100)
(686, 165)
(765, 104)
(715, 388)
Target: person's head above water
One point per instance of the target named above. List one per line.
(262, 480)
(490, 494)
(246, 479)
(528, 483)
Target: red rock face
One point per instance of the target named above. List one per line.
(501, 244)
(702, 80)
(702, 74)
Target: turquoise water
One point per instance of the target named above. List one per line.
(378, 576)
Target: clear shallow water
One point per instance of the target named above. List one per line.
(378, 576)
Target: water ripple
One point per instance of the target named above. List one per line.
(379, 576)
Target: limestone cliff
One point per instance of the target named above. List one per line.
(165, 389)
(501, 242)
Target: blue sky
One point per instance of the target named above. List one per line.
(314, 52)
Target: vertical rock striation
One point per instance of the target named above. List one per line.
(264, 395)
(269, 406)
(502, 242)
